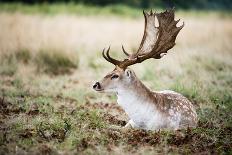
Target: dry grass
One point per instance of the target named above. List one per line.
(84, 38)
(199, 66)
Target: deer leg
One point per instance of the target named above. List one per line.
(130, 124)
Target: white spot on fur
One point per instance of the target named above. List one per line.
(171, 112)
(185, 107)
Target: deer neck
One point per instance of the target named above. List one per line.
(136, 93)
(139, 103)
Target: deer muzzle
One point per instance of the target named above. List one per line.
(97, 86)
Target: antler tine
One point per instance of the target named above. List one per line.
(103, 54)
(110, 59)
(124, 51)
(143, 12)
(107, 53)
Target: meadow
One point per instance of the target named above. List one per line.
(50, 59)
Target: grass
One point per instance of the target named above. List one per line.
(70, 8)
(53, 62)
(23, 55)
(46, 100)
(8, 65)
(89, 10)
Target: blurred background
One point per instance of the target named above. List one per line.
(50, 55)
(195, 4)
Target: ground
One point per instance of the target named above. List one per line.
(49, 63)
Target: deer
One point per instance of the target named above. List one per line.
(147, 109)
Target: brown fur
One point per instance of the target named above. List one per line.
(161, 101)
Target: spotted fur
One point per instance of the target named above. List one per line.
(149, 110)
(156, 110)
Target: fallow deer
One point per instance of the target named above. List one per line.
(149, 110)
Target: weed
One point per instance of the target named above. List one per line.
(23, 55)
(53, 62)
(8, 65)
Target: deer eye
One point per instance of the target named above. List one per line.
(115, 76)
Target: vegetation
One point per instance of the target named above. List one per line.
(194, 4)
(89, 10)
(54, 62)
(76, 9)
(48, 64)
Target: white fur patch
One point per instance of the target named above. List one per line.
(143, 114)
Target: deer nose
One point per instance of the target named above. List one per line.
(97, 85)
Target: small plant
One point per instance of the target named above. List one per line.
(54, 62)
(23, 55)
(8, 65)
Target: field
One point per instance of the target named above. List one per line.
(48, 63)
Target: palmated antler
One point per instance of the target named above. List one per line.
(156, 40)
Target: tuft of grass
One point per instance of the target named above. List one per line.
(95, 64)
(23, 55)
(191, 92)
(8, 64)
(78, 94)
(55, 62)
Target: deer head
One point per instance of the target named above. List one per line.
(155, 43)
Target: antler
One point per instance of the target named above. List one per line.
(156, 40)
(109, 58)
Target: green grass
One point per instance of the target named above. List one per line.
(69, 120)
(48, 61)
(55, 62)
(47, 104)
(83, 127)
(73, 124)
(69, 8)
(23, 55)
(86, 10)
(8, 65)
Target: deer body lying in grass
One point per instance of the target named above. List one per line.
(149, 110)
